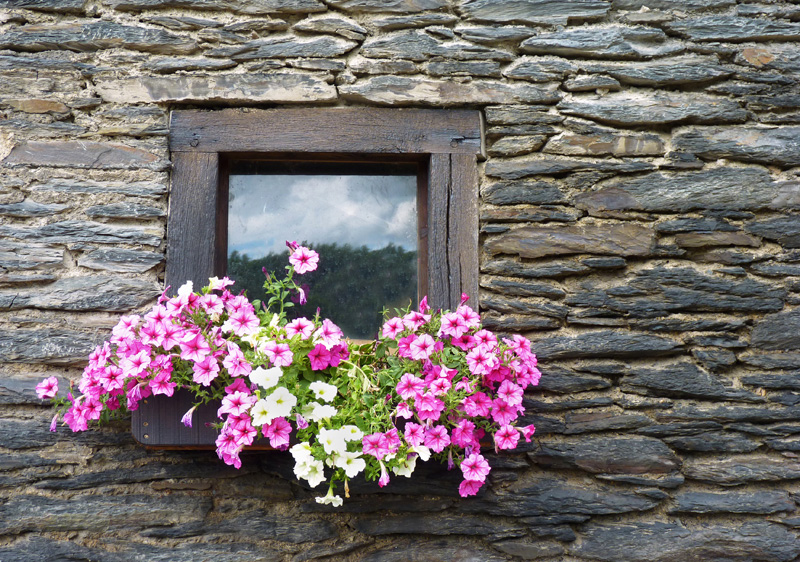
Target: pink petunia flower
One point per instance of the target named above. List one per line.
(528, 432)
(304, 260)
(506, 438)
(414, 434)
(392, 327)
(475, 467)
(510, 393)
(409, 386)
(469, 488)
(503, 412)
(329, 333)
(319, 357)
(302, 326)
(236, 404)
(48, 388)
(436, 438)
(375, 444)
(277, 432)
(421, 347)
(205, 371)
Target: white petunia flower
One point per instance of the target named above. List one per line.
(186, 289)
(266, 378)
(302, 452)
(280, 403)
(406, 468)
(351, 433)
(330, 499)
(332, 441)
(321, 412)
(351, 462)
(312, 471)
(260, 413)
(423, 452)
(323, 391)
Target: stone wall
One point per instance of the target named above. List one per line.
(638, 222)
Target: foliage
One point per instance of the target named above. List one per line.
(433, 384)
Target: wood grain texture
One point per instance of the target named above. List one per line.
(192, 222)
(462, 238)
(339, 129)
(438, 201)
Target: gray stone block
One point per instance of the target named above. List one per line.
(534, 11)
(608, 42)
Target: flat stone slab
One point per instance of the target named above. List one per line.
(243, 88)
(534, 11)
(734, 29)
(777, 146)
(763, 502)
(609, 455)
(674, 542)
(251, 7)
(724, 188)
(627, 239)
(778, 331)
(632, 109)
(95, 36)
(397, 90)
(607, 42)
(605, 343)
(83, 154)
(742, 470)
(49, 346)
(394, 6)
(683, 380)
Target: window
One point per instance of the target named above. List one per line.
(207, 145)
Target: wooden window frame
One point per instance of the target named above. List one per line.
(201, 143)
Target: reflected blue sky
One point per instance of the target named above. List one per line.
(361, 210)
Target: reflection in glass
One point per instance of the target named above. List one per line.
(361, 218)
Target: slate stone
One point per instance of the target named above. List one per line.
(515, 324)
(773, 103)
(98, 513)
(540, 69)
(51, 550)
(40, 106)
(518, 130)
(561, 405)
(532, 165)
(112, 294)
(778, 331)
(605, 144)
(48, 346)
(125, 211)
(389, 23)
(250, 7)
(360, 65)
(530, 214)
(483, 69)
(394, 6)
(670, 5)
(493, 34)
(431, 525)
(83, 154)
(419, 46)
(635, 455)
(529, 550)
(538, 271)
(275, 527)
(713, 442)
(770, 146)
(17, 256)
(518, 306)
(592, 83)
(120, 261)
(741, 470)
(771, 269)
(565, 381)
(788, 382)
(714, 360)
(734, 29)
(603, 421)
(669, 430)
(665, 73)
(182, 23)
(609, 42)
(69, 232)
(547, 495)
(172, 65)
(413, 549)
(243, 88)
(695, 225)
(510, 287)
(94, 36)
(605, 263)
(606, 343)
(775, 56)
(58, 6)
(784, 444)
(718, 188)
(152, 190)
(540, 241)
(705, 239)
(534, 11)
(516, 145)
(332, 24)
(287, 46)
(784, 230)
(399, 90)
(626, 109)
(673, 542)
(521, 115)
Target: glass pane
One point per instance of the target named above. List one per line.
(361, 218)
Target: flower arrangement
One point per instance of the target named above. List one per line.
(433, 384)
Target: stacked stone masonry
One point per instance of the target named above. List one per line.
(640, 223)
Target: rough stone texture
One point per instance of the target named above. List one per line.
(396, 90)
(111, 294)
(773, 146)
(217, 88)
(672, 542)
(616, 42)
(628, 110)
(638, 210)
(724, 188)
(94, 36)
(82, 154)
(541, 241)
